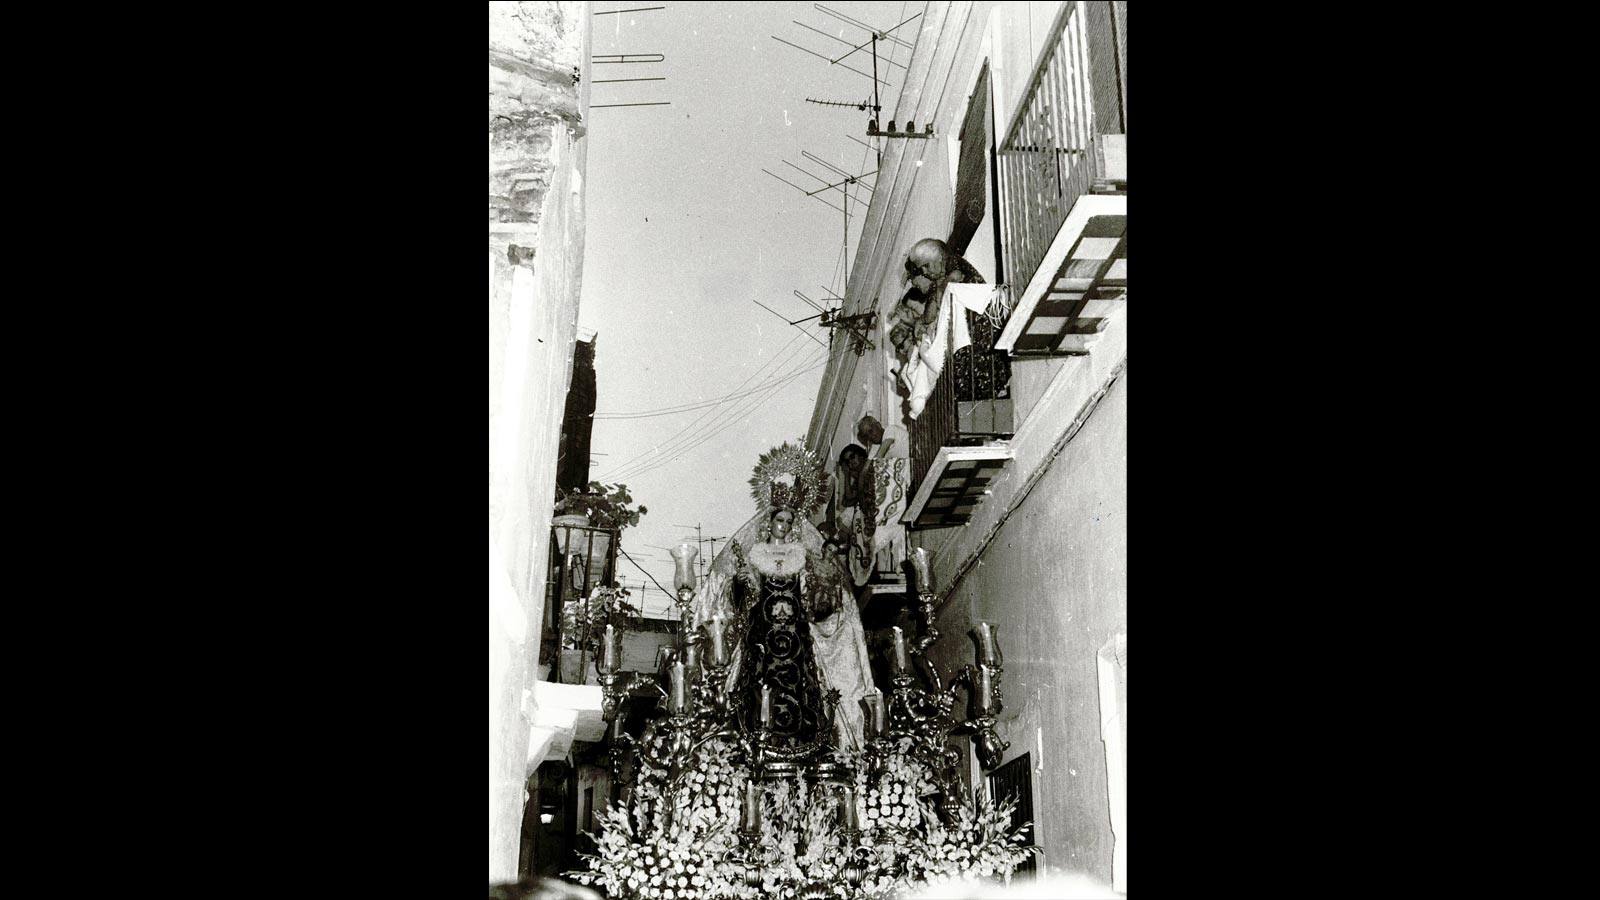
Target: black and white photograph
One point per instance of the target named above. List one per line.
(808, 406)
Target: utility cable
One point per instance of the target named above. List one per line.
(673, 410)
(632, 460)
(678, 446)
(642, 569)
(643, 457)
(705, 433)
(733, 420)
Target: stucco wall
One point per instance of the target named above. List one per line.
(1053, 577)
(536, 163)
(1055, 581)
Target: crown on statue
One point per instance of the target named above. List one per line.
(789, 476)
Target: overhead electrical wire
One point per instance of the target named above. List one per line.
(776, 359)
(728, 418)
(673, 410)
(647, 454)
(734, 418)
(742, 400)
(705, 432)
(639, 567)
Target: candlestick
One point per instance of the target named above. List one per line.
(611, 656)
(901, 660)
(983, 635)
(874, 716)
(982, 696)
(752, 806)
(922, 564)
(848, 819)
(718, 635)
(684, 557)
(679, 698)
(766, 705)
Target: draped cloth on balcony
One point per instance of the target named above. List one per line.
(838, 642)
(951, 333)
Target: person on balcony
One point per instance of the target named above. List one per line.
(919, 334)
(931, 265)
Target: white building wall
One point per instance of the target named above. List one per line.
(1044, 556)
(536, 164)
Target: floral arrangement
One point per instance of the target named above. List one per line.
(679, 839)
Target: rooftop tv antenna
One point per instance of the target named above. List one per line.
(630, 58)
(876, 35)
(795, 323)
(858, 326)
(843, 187)
(875, 105)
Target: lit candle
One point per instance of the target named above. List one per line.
(988, 647)
(752, 806)
(983, 700)
(766, 705)
(719, 647)
(691, 657)
(611, 658)
(922, 564)
(901, 660)
(679, 698)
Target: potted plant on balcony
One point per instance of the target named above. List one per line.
(607, 506)
(584, 620)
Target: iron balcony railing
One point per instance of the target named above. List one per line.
(970, 403)
(1051, 153)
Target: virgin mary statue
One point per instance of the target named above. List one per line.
(798, 630)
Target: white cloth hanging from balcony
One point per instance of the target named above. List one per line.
(949, 335)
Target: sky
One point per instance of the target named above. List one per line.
(685, 232)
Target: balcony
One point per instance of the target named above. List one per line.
(1063, 181)
(1062, 176)
(970, 409)
(581, 559)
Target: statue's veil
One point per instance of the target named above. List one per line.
(717, 592)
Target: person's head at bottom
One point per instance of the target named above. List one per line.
(1046, 887)
(540, 889)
